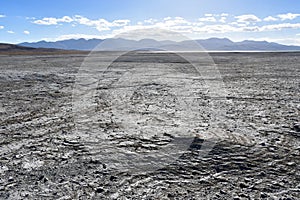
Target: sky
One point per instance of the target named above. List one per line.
(35, 20)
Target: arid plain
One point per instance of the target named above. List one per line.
(53, 148)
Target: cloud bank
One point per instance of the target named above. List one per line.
(207, 24)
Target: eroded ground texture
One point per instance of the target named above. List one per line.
(150, 126)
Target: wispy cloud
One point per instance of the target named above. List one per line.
(270, 19)
(278, 27)
(150, 21)
(99, 24)
(1, 16)
(75, 36)
(218, 28)
(172, 22)
(214, 18)
(247, 18)
(1, 27)
(30, 18)
(208, 23)
(11, 32)
(52, 20)
(288, 16)
(207, 19)
(224, 15)
(26, 32)
(223, 19)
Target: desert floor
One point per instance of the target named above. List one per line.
(150, 126)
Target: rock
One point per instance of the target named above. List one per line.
(223, 192)
(113, 178)
(243, 185)
(263, 195)
(296, 127)
(99, 190)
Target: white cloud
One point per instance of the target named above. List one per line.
(224, 15)
(288, 16)
(120, 22)
(46, 21)
(26, 32)
(247, 19)
(223, 20)
(76, 36)
(236, 27)
(53, 21)
(66, 19)
(1, 27)
(150, 21)
(11, 32)
(271, 27)
(221, 24)
(222, 28)
(270, 19)
(214, 18)
(153, 33)
(250, 29)
(278, 27)
(175, 23)
(169, 22)
(237, 24)
(84, 21)
(99, 24)
(1, 16)
(195, 28)
(207, 19)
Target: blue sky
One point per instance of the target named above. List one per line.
(34, 20)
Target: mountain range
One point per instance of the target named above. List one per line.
(120, 44)
(12, 49)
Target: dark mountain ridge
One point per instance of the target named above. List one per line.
(211, 44)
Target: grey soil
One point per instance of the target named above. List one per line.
(257, 157)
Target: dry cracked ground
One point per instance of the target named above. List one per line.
(150, 126)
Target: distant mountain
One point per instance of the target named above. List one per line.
(80, 44)
(12, 47)
(246, 45)
(217, 44)
(263, 45)
(211, 44)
